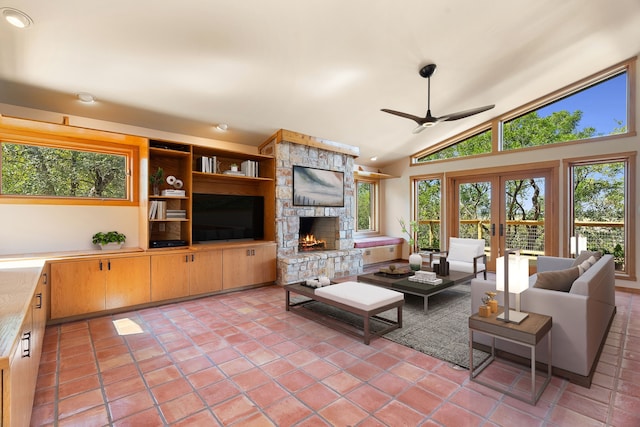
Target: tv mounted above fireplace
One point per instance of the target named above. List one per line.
(317, 187)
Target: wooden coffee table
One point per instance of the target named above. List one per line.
(406, 286)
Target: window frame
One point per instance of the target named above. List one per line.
(129, 148)
(375, 207)
(496, 123)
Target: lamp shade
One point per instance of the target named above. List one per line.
(518, 274)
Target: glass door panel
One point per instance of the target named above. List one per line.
(474, 219)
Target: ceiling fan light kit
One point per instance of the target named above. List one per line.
(429, 120)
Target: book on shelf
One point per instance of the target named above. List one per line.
(157, 209)
(235, 173)
(153, 209)
(209, 164)
(250, 168)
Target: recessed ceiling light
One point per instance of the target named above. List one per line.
(87, 98)
(16, 17)
(222, 127)
(374, 158)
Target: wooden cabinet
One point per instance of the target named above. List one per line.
(20, 374)
(89, 286)
(184, 274)
(249, 265)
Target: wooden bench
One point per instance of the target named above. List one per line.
(379, 248)
(358, 298)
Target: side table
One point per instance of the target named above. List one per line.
(528, 333)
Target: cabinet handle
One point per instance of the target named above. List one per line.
(39, 300)
(248, 252)
(26, 344)
(253, 252)
(193, 257)
(46, 279)
(100, 265)
(186, 258)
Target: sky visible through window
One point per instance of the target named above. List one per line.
(602, 105)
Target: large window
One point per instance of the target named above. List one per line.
(366, 208)
(600, 220)
(31, 170)
(596, 107)
(429, 196)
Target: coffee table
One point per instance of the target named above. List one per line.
(406, 286)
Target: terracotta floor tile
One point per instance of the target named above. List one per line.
(450, 415)
(218, 392)
(96, 416)
(342, 382)
(317, 396)
(369, 398)
(398, 414)
(288, 412)
(234, 409)
(194, 365)
(182, 407)
(171, 390)
(162, 375)
(295, 380)
(320, 369)
(420, 400)
(119, 373)
(124, 388)
(251, 379)
(149, 417)
(205, 377)
(202, 418)
(343, 413)
(267, 394)
(78, 386)
(80, 403)
(132, 404)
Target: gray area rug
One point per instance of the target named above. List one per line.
(441, 332)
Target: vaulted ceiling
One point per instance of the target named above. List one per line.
(320, 67)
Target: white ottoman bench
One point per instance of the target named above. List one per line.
(358, 298)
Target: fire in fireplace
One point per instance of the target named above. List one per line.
(317, 233)
(310, 243)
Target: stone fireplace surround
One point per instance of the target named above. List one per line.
(294, 266)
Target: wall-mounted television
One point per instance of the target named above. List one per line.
(225, 217)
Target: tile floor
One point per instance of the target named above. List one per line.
(240, 359)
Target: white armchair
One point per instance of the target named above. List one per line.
(463, 255)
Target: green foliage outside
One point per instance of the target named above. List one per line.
(364, 206)
(29, 170)
(477, 144)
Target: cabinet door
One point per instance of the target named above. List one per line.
(128, 281)
(265, 264)
(39, 309)
(77, 287)
(237, 268)
(169, 276)
(22, 379)
(205, 272)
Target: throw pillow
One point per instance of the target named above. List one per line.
(558, 280)
(585, 255)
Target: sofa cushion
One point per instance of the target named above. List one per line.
(462, 252)
(585, 255)
(586, 264)
(558, 280)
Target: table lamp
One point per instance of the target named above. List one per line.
(512, 276)
(581, 244)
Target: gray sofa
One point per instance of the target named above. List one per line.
(581, 317)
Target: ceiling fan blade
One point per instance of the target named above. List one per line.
(463, 114)
(416, 119)
(419, 129)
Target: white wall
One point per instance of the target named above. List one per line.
(27, 229)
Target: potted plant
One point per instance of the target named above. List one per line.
(109, 240)
(156, 179)
(415, 259)
(234, 167)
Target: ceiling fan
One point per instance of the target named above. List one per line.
(429, 120)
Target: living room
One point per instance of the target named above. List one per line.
(61, 228)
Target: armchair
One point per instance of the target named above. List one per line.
(463, 255)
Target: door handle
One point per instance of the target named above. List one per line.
(501, 230)
(26, 344)
(493, 229)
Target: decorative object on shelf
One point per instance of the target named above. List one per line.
(512, 276)
(234, 167)
(177, 184)
(484, 311)
(109, 240)
(156, 179)
(415, 261)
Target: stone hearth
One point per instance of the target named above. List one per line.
(294, 265)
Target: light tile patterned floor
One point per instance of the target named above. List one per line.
(240, 359)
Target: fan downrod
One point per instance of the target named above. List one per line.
(428, 70)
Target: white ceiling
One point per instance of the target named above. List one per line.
(320, 67)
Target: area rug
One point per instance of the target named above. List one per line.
(441, 332)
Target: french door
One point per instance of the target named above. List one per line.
(509, 209)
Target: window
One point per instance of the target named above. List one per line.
(46, 171)
(477, 144)
(600, 198)
(597, 110)
(596, 107)
(429, 196)
(366, 208)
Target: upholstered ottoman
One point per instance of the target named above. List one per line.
(358, 298)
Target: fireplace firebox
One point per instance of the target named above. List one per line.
(317, 233)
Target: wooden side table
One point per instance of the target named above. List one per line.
(528, 333)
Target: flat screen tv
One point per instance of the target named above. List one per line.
(224, 217)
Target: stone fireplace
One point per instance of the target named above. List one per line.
(335, 225)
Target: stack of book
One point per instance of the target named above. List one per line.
(158, 209)
(173, 192)
(176, 214)
(250, 168)
(209, 164)
(427, 277)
